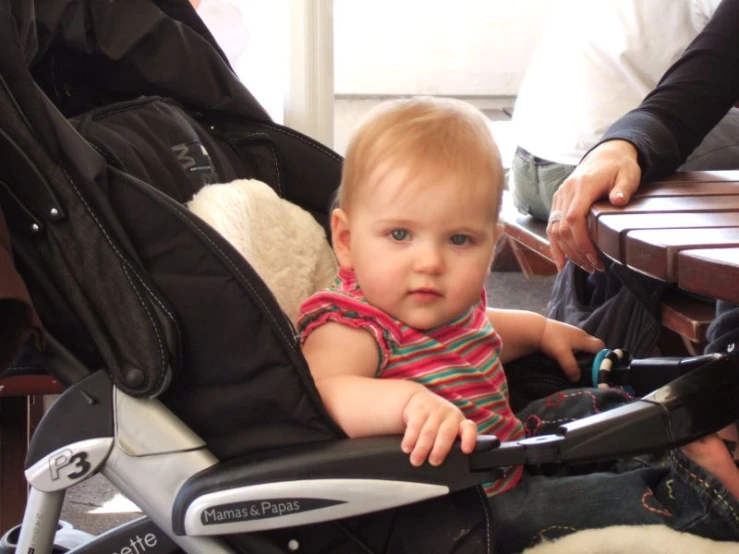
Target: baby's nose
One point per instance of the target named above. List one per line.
(430, 260)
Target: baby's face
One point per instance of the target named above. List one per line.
(421, 250)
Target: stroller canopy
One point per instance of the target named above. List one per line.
(113, 115)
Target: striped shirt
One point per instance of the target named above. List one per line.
(459, 361)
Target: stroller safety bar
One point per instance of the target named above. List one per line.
(704, 399)
(317, 482)
(255, 495)
(329, 480)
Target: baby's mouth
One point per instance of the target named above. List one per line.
(425, 293)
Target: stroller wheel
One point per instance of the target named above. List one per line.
(65, 539)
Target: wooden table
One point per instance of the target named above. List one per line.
(683, 229)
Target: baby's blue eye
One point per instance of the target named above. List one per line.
(399, 234)
(459, 240)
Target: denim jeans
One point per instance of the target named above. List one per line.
(533, 182)
(664, 489)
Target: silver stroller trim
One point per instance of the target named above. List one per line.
(137, 435)
(69, 465)
(290, 503)
(152, 454)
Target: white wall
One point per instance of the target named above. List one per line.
(254, 35)
(447, 47)
(263, 65)
(382, 48)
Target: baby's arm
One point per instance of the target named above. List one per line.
(525, 332)
(343, 362)
(520, 331)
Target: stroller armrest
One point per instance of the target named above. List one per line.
(317, 482)
(699, 402)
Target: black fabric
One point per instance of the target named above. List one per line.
(93, 53)
(204, 278)
(723, 333)
(79, 248)
(622, 313)
(453, 524)
(241, 366)
(18, 40)
(131, 280)
(538, 376)
(176, 158)
(302, 181)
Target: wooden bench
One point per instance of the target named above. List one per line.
(527, 238)
(21, 408)
(686, 318)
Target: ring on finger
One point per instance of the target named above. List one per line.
(555, 216)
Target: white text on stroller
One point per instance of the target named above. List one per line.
(255, 510)
(139, 545)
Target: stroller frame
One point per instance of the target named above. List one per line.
(192, 500)
(153, 468)
(147, 467)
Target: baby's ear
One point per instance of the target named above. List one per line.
(341, 238)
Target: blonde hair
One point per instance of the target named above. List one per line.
(427, 136)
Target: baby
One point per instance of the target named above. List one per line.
(404, 343)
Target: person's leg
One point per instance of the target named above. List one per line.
(533, 182)
(720, 147)
(522, 182)
(545, 415)
(551, 177)
(674, 492)
(688, 491)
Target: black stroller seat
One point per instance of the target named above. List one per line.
(186, 385)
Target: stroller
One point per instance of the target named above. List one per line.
(186, 387)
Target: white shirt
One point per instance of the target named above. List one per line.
(597, 60)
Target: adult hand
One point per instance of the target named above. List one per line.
(610, 169)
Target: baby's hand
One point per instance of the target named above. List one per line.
(432, 425)
(559, 340)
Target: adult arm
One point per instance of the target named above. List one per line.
(655, 138)
(690, 99)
